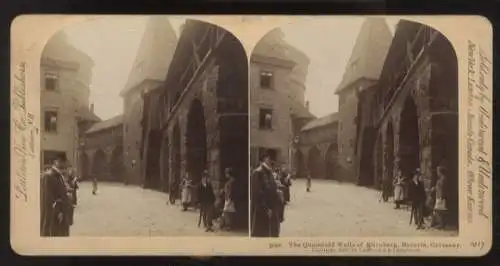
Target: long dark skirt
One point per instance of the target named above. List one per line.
(264, 226)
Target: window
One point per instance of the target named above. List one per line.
(355, 120)
(266, 118)
(51, 81)
(50, 121)
(266, 80)
(351, 143)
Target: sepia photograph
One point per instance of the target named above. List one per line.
(354, 130)
(144, 129)
(251, 135)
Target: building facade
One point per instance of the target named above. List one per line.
(277, 107)
(362, 72)
(198, 118)
(65, 76)
(317, 149)
(102, 151)
(414, 112)
(148, 72)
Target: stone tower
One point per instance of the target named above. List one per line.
(362, 71)
(149, 70)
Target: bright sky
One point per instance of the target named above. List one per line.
(328, 42)
(112, 43)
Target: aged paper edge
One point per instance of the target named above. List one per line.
(29, 33)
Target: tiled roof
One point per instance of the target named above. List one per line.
(322, 121)
(369, 52)
(154, 54)
(112, 122)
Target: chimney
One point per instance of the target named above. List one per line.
(92, 107)
(307, 105)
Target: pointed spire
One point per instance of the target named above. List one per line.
(369, 52)
(155, 52)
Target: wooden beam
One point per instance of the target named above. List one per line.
(195, 54)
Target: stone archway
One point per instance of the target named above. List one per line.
(176, 156)
(366, 167)
(314, 163)
(299, 164)
(165, 159)
(99, 164)
(196, 144)
(153, 178)
(84, 166)
(389, 152)
(409, 145)
(331, 162)
(117, 165)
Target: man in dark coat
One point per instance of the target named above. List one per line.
(207, 200)
(264, 201)
(56, 202)
(417, 196)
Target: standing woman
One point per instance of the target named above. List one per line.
(229, 208)
(399, 189)
(186, 186)
(440, 207)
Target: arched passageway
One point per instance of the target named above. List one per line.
(366, 167)
(165, 164)
(409, 148)
(117, 166)
(176, 157)
(84, 166)
(331, 162)
(314, 163)
(99, 165)
(299, 164)
(153, 178)
(389, 153)
(196, 145)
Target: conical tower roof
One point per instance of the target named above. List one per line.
(369, 52)
(154, 54)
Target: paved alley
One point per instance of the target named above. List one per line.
(335, 209)
(120, 210)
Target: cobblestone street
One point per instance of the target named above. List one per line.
(334, 209)
(120, 210)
